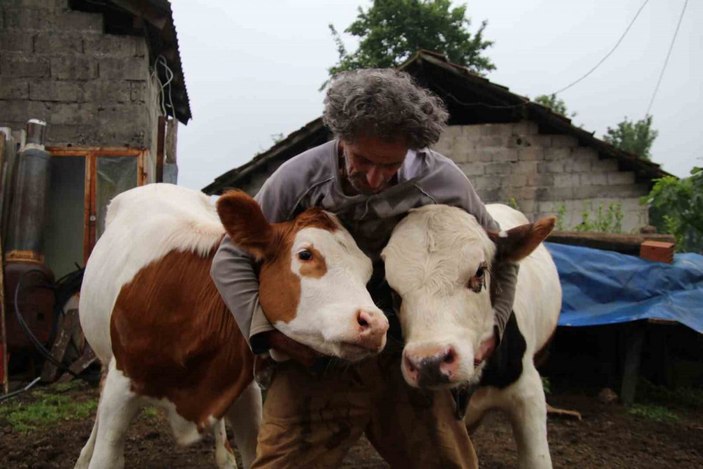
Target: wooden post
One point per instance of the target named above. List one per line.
(634, 337)
(3, 334)
(160, 144)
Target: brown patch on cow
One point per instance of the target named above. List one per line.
(521, 240)
(279, 290)
(173, 336)
(315, 267)
(245, 223)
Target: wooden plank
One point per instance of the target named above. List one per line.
(622, 243)
(160, 144)
(67, 324)
(4, 372)
(79, 365)
(634, 338)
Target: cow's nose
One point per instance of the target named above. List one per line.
(430, 369)
(372, 328)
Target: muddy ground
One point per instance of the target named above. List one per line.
(609, 436)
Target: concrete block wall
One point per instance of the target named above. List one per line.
(543, 174)
(58, 65)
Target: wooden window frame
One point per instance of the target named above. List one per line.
(91, 154)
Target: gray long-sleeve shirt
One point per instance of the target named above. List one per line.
(312, 179)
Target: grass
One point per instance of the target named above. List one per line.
(653, 412)
(45, 407)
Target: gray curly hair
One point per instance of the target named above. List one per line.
(386, 104)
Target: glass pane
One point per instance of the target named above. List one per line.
(114, 175)
(63, 237)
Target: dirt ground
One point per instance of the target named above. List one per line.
(607, 437)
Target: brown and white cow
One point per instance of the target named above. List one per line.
(151, 313)
(438, 261)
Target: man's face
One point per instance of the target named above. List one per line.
(371, 163)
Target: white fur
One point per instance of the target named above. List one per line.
(326, 317)
(142, 225)
(431, 256)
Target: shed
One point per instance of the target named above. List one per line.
(512, 149)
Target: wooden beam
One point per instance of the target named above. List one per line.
(622, 243)
(160, 144)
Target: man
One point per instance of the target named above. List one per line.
(376, 169)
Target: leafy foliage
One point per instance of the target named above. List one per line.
(48, 409)
(390, 31)
(653, 412)
(677, 208)
(633, 136)
(555, 104)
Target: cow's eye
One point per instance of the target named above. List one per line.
(305, 255)
(478, 281)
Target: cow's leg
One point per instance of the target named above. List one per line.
(245, 418)
(527, 410)
(479, 404)
(118, 406)
(224, 456)
(87, 451)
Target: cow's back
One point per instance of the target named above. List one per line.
(143, 225)
(538, 292)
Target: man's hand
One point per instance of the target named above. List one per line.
(295, 350)
(485, 350)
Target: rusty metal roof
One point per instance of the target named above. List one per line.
(152, 19)
(470, 99)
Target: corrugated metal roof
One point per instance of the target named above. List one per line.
(470, 98)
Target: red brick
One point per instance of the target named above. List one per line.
(657, 251)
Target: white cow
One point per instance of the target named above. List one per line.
(438, 261)
(151, 313)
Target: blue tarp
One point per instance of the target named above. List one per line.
(604, 287)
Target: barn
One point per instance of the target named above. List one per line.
(513, 150)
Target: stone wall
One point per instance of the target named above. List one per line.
(543, 174)
(92, 88)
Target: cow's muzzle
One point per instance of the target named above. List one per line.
(430, 367)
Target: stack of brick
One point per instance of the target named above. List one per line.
(92, 88)
(543, 174)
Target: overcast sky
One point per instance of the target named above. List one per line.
(253, 69)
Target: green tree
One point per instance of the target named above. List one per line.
(390, 31)
(633, 136)
(677, 208)
(555, 104)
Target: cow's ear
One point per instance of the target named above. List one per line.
(519, 242)
(245, 223)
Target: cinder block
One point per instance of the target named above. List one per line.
(504, 130)
(69, 113)
(557, 154)
(15, 40)
(554, 193)
(128, 68)
(566, 180)
(498, 168)
(107, 92)
(515, 180)
(657, 251)
(538, 140)
(540, 180)
(111, 45)
(623, 177)
(605, 165)
(72, 134)
(530, 154)
(80, 21)
(27, 19)
(525, 128)
(13, 88)
(52, 90)
(22, 110)
(564, 141)
(594, 179)
(18, 66)
(472, 169)
(485, 183)
(551, 167)
(73, 68)
(56, 43)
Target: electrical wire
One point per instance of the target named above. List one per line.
(666, 61)
(169, 75)
(606, 55)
